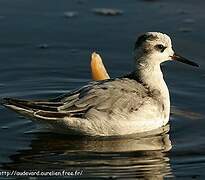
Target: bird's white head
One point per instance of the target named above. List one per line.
(153, 48)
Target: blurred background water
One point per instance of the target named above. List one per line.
(45, 49)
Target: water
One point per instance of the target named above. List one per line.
(45, 49)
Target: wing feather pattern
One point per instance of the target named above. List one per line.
(122, 94)
(103, 97)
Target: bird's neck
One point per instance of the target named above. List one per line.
(150, 75)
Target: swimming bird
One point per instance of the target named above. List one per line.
(134, 103)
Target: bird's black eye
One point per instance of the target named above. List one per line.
(160, 47)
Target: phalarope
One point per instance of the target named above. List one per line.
(135, 103)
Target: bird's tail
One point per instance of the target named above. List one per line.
(35, 109)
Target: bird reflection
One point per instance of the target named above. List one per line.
(136, 156)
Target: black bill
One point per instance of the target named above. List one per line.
(183, 60)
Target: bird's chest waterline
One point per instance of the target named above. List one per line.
(151, 115)
(141, 121)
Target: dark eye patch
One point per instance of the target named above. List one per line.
(160, 47)
(143, 38)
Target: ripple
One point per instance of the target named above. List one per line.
(185, 29)
(182, 11)
(189, 20)
(107, 11)
(70, 14)
(186, 113)
(4, 127)
(43, 46)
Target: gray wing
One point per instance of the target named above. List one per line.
(109, 96)
(105, 96)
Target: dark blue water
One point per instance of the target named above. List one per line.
(45, 51)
